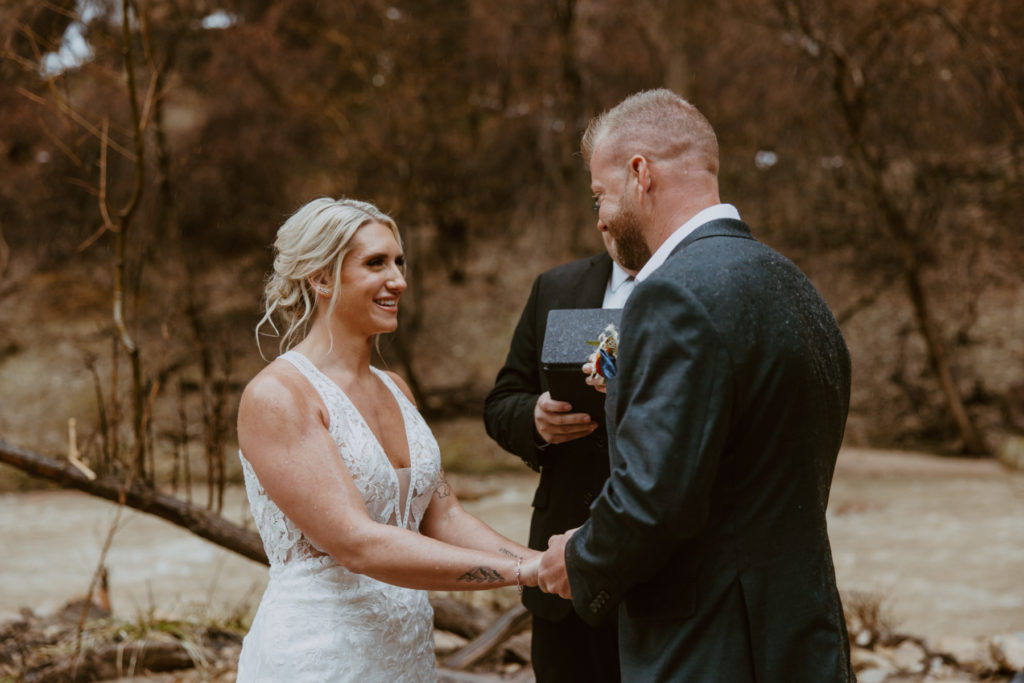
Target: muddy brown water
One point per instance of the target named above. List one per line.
(940, 541)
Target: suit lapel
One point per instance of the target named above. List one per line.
(590, 289)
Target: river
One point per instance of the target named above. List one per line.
(940, 541)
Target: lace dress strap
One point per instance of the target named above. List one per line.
(325, 387)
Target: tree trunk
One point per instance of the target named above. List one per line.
(938, 357)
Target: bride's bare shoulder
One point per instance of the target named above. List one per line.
(277, 387)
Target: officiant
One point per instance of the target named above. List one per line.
(568, 448)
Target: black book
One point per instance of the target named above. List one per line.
(565, 350)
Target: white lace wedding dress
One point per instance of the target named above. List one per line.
(318, 621)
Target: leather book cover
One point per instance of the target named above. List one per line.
(565, 350)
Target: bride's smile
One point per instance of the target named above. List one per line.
(372, 280)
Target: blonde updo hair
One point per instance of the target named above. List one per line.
(314, 241)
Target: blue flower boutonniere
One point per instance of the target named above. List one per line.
(602, 360)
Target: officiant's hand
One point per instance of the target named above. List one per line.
(594, 380)
(553, 577)
(556, 423)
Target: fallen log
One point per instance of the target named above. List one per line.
(117, 661)
(200, 521)
(509, 624)
(459, 617)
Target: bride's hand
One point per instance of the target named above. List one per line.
(529, 569)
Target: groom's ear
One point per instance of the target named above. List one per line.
(641, 170)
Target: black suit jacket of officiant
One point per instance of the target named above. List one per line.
(725, 420)
(572, 473)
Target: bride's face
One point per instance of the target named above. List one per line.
(372, 281)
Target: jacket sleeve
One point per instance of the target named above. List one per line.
(508, 408)
(672, 405)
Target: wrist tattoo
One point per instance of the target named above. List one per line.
(506, 551)
(481, 575)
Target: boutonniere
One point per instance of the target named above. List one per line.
(602, 360)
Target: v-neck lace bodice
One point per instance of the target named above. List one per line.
(365, 459)
(317, 621)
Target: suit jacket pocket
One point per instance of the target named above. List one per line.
(662, 601)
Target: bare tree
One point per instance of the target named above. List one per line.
(885, 115)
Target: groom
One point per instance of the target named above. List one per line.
(724, 422)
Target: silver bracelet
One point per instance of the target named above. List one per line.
(519, 566)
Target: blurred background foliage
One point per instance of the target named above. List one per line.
(877, 143)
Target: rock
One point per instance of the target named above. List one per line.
(866, 660)
(939, 670)
(1008, 651)
(969, 653)
(872, 676)
(446, 642)
(910, 657)
(1011, 452)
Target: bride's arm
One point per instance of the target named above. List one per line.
(446, 520)
(282, 432)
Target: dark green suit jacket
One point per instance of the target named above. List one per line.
(725, 419)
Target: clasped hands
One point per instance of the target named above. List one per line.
(547, 570)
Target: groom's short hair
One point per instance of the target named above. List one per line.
(659, 124)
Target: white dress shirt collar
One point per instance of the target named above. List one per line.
(707, 215)
(620, 286)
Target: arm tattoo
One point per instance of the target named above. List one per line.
(444, 489)
(509, 553)
(481, 575)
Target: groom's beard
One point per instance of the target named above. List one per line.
(631, 249)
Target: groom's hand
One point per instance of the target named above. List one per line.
(553, 577)
(593, 379)
(556, 423)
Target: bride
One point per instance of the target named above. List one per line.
(343, 475)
